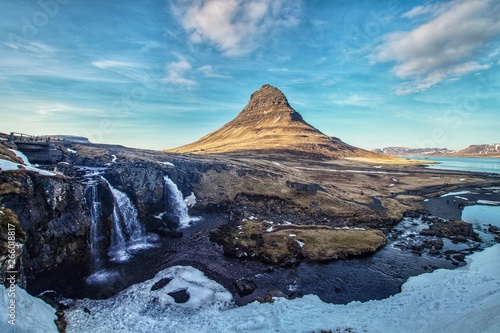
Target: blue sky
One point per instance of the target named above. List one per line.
(161, 73)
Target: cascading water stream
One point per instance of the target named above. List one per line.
(94, 207)
(98, 257)
(177, 203)
(127, 232)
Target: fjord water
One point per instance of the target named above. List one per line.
(463, 163)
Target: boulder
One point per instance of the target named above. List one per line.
(180, 295)
(245, 287)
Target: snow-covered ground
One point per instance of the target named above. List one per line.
(466, 299)
(8, 165)
(27, 314)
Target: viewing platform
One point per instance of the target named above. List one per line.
(42, 148)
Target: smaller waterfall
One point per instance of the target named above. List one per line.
(178, 205)
(94, 207)
(98, 271)
(127, 232)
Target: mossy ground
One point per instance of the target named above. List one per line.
(7, 217)
(278, 243)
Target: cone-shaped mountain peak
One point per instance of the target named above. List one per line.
(268, 99)
(268, 122)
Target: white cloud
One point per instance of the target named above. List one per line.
(235, 26)
(208, 71)
(36, 47)
(449, 44)
(177, 71)
(354, 100)
(431, 9)
(105, 64)
(55, 109)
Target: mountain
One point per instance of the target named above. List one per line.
(399, 151)
(269, 123)
(486, 150)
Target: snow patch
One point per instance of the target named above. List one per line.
(301, 244)
(71, 151)
(488, 202)
(455, 193)
(8, 165)
(160, 216)
(167, 163)
(32, 314)
(21, 156)
(190, 200)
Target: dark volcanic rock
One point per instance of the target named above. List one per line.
(160, 284)
(457, 231)
(52, 212)
(309, 188)
(180, 295)
(245, 287)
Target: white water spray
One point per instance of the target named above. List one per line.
(127, 232)
(178, 205)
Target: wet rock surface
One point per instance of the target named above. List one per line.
(180, 295)
(457, 231)
(161, 284)
(245, 287)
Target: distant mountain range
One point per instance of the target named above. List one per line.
(485, 150)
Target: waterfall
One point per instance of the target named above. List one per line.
(98, 271)
(179, 207)
(127, 232)
(94, 208)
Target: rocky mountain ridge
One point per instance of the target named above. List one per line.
(399, 151)
(482, 150)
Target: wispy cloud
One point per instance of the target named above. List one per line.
(235, 26)
(449, 44)
(57, 109)
(354, 100)
(33, 47)
(105, 64)
(177, 72)
(210, 72)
